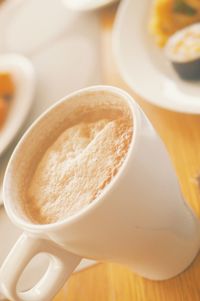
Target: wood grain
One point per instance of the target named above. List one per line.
(181, 135)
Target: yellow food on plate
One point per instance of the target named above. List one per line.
(7, 90)
(3, 111)
(168, 16)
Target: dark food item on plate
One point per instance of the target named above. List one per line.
(183, 50)
(182, 7)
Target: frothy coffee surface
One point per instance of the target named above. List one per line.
(77, 166)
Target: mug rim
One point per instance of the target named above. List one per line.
(39, 228)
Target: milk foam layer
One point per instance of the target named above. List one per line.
(76, 168)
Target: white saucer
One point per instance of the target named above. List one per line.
(87, 5)
(21, 70)
(143, 65)
(64, 50)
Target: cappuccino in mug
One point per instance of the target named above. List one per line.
(78, 165)
(83, 183)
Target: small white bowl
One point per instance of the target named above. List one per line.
(22, 72)
(85, 5)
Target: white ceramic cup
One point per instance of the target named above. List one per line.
(140, 220)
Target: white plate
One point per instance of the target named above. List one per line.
(64, 50)
(143, 65)
(8, 235)
(22, 73)
(84, 5)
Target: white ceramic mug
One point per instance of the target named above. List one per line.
(140, 220)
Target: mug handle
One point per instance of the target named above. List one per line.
(61, 265)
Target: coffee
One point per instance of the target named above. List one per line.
(78, 165)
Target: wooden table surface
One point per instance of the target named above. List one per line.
(181, 134)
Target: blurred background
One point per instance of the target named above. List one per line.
(49, 48)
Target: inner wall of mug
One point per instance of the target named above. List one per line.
(46, 130)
